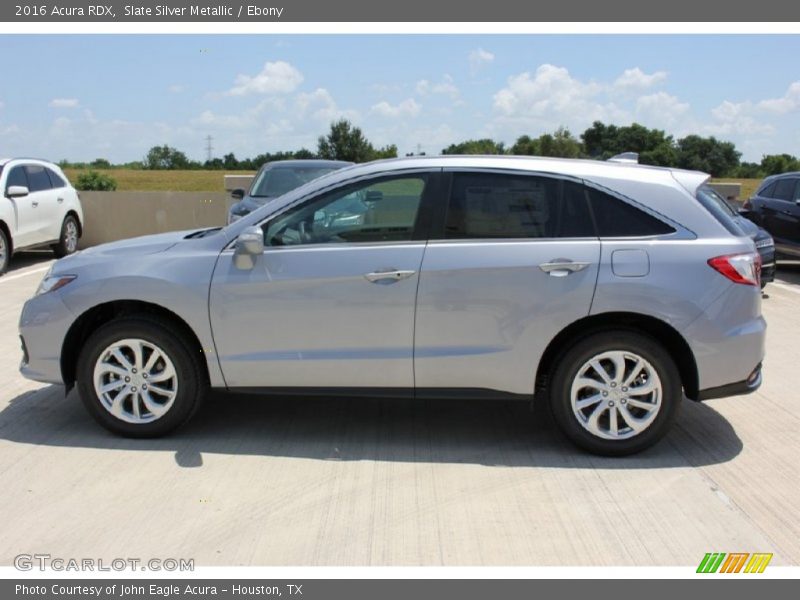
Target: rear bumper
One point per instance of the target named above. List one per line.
(739, 388)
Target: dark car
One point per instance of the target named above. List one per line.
(765, 245)
(275, 179)
(776, 207)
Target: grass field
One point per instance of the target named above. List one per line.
(748, 186)
(129, 180)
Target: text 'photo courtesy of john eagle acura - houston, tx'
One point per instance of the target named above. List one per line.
(609, 291)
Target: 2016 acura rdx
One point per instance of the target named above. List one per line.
(607, 290)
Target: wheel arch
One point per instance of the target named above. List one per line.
(73, 213)
(7, 230)
(664, 333)
(99, 315)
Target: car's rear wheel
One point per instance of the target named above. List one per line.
(68, 242)
(615, 393)
(5, 251)
(139, 377)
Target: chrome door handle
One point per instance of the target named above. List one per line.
(388, 276)
(561, 267)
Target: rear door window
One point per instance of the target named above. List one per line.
(38, 179)
(784, 189)
(55, 179)
(513, 206)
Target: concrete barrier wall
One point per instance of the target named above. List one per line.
(233, 182)
(110, 216)
(731, 191)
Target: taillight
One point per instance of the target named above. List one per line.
(739, 268)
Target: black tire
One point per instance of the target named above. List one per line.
(192, 382)
(5, 251)
(570, 364)
(64, 246)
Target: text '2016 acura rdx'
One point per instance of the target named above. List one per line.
(607, 290)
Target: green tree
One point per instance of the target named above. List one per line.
(95, 181)
(166, 157)
(708, 154)
(773, 164)
(101, 163)
(483, 146)
(346, 142)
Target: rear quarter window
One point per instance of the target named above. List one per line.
(616, 218)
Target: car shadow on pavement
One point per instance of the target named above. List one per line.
(444, 431)
(788, 272)
(28, 258)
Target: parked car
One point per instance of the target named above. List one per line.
(275, 179)
(606, 290)
(776, 207)
(39, 208)
(762, 239)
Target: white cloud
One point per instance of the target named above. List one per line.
(64, 103)
(790, 102)
(321, 106)
(550, 92)
(478, 59)
(275, 78)
(736, 118)
(661, 109)
(406, 108)
(175, 88)
(636, 79)
(445, 87)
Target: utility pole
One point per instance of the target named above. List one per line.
(209, 147)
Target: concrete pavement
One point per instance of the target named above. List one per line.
(371, 482)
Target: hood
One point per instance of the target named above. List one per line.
(147, 244)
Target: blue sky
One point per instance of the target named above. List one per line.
(86, 96)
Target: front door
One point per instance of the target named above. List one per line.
(330, 303)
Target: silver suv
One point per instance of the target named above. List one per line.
(608, 291)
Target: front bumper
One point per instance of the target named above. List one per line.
(43, 326)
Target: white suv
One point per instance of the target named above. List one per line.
(38, 207)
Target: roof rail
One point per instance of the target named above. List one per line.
(628, 158)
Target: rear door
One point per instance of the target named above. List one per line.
(516, 261)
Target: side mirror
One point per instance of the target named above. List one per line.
(16, 191)
(249, 245)
(237, 194)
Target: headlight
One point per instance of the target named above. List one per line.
(765, 243)
(51, 283)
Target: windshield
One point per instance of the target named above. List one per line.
(279, 180)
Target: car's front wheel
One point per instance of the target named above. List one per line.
(615, 393)
(140, 377)
(68, 241)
